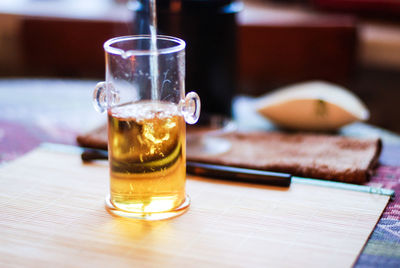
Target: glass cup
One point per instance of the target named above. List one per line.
(144, 96)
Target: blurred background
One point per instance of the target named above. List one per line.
(250, 47)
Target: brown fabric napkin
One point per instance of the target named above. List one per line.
(327, 157)
(319, 156)
(96, 138)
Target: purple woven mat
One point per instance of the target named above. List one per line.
(383, 247)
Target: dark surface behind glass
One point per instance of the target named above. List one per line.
(209, 29)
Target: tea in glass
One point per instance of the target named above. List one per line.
(144, 96)
(147, 157)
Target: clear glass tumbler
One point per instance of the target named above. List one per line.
(144, 96)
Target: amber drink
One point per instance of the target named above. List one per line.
(144, 96)
(147, 157)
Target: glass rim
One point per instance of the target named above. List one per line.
(179, 45)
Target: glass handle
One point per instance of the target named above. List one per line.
(190, 107)
(100, 97)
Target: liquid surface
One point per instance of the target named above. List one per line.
(147, 157)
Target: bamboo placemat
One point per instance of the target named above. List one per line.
(52, 214)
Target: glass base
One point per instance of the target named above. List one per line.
(153, 216)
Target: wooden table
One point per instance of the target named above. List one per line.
(34, 111)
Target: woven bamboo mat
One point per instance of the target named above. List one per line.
(52, 214)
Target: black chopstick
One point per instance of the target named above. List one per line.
(215, 171)
(89, 155)
(239, 174)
